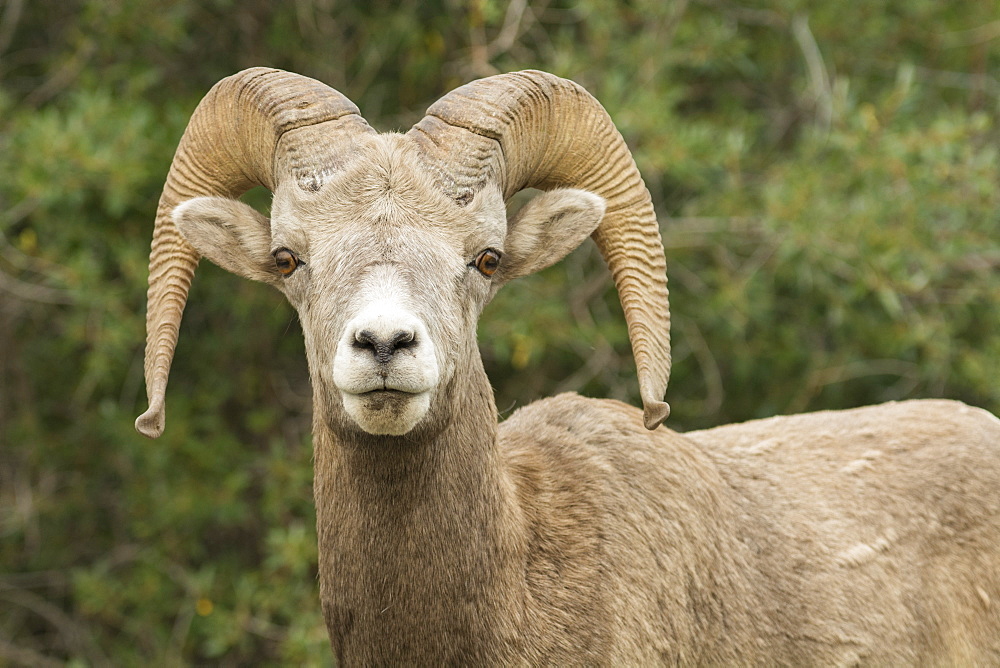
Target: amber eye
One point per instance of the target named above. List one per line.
(487, 262)
(285, 261)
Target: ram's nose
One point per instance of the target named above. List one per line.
(386, 369)
(384, 345)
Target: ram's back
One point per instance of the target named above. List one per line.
(867, 535)
(882, 524)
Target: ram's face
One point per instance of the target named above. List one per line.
(389, 276)
(377, 239)
(392, 280)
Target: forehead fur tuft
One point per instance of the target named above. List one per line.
(386, 181)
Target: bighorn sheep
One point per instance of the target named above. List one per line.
(578, 531)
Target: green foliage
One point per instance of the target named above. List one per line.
(827, 186)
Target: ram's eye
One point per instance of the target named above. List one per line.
(286, 262)
(487, 262)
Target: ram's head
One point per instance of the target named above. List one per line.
(390, 245)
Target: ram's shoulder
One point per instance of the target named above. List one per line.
(572, 420)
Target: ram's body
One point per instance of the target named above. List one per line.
(579, 531)
(868, 535)
(875, 531)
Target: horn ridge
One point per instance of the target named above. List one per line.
(253, 128)
(534, 129)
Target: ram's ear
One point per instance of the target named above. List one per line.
(547, 228)
(231, 234)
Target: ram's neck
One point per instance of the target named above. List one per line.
(417, 538)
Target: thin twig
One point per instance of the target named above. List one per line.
(747, 15)
(511, 29)
(841, 373)
(74, 636)
(760, 256)
(973, 36)
(25, 657)
(601, 357)
(959, 80)
(34, 293)
(34, 580)
(819, 77)
(715, 392)
(8, 23)
(63, 77)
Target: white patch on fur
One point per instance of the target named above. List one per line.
(389, 396)
(984, 597)
(865, 462)
(862, 553)
(764, 446)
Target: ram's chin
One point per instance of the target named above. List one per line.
(387, 412)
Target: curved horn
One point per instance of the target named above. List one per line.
(535, 130)
(254, 128)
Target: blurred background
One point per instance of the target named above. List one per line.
(825, 175)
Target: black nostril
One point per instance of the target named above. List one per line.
(365, 339)
(383, 348)
(401, 340)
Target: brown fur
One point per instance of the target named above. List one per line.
(570, 534)
(870, 535)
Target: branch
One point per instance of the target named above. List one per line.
(8, 23)
(819, 77)
(747, 15)
(973, 36)
(34, 293)
(511, 29)
(63, 77)
(715, 392)
(26, 657)
(75, 637)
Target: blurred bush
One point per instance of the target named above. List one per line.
(826, 179)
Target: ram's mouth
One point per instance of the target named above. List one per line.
(377, 400)
(389, 391)
(387, 411)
